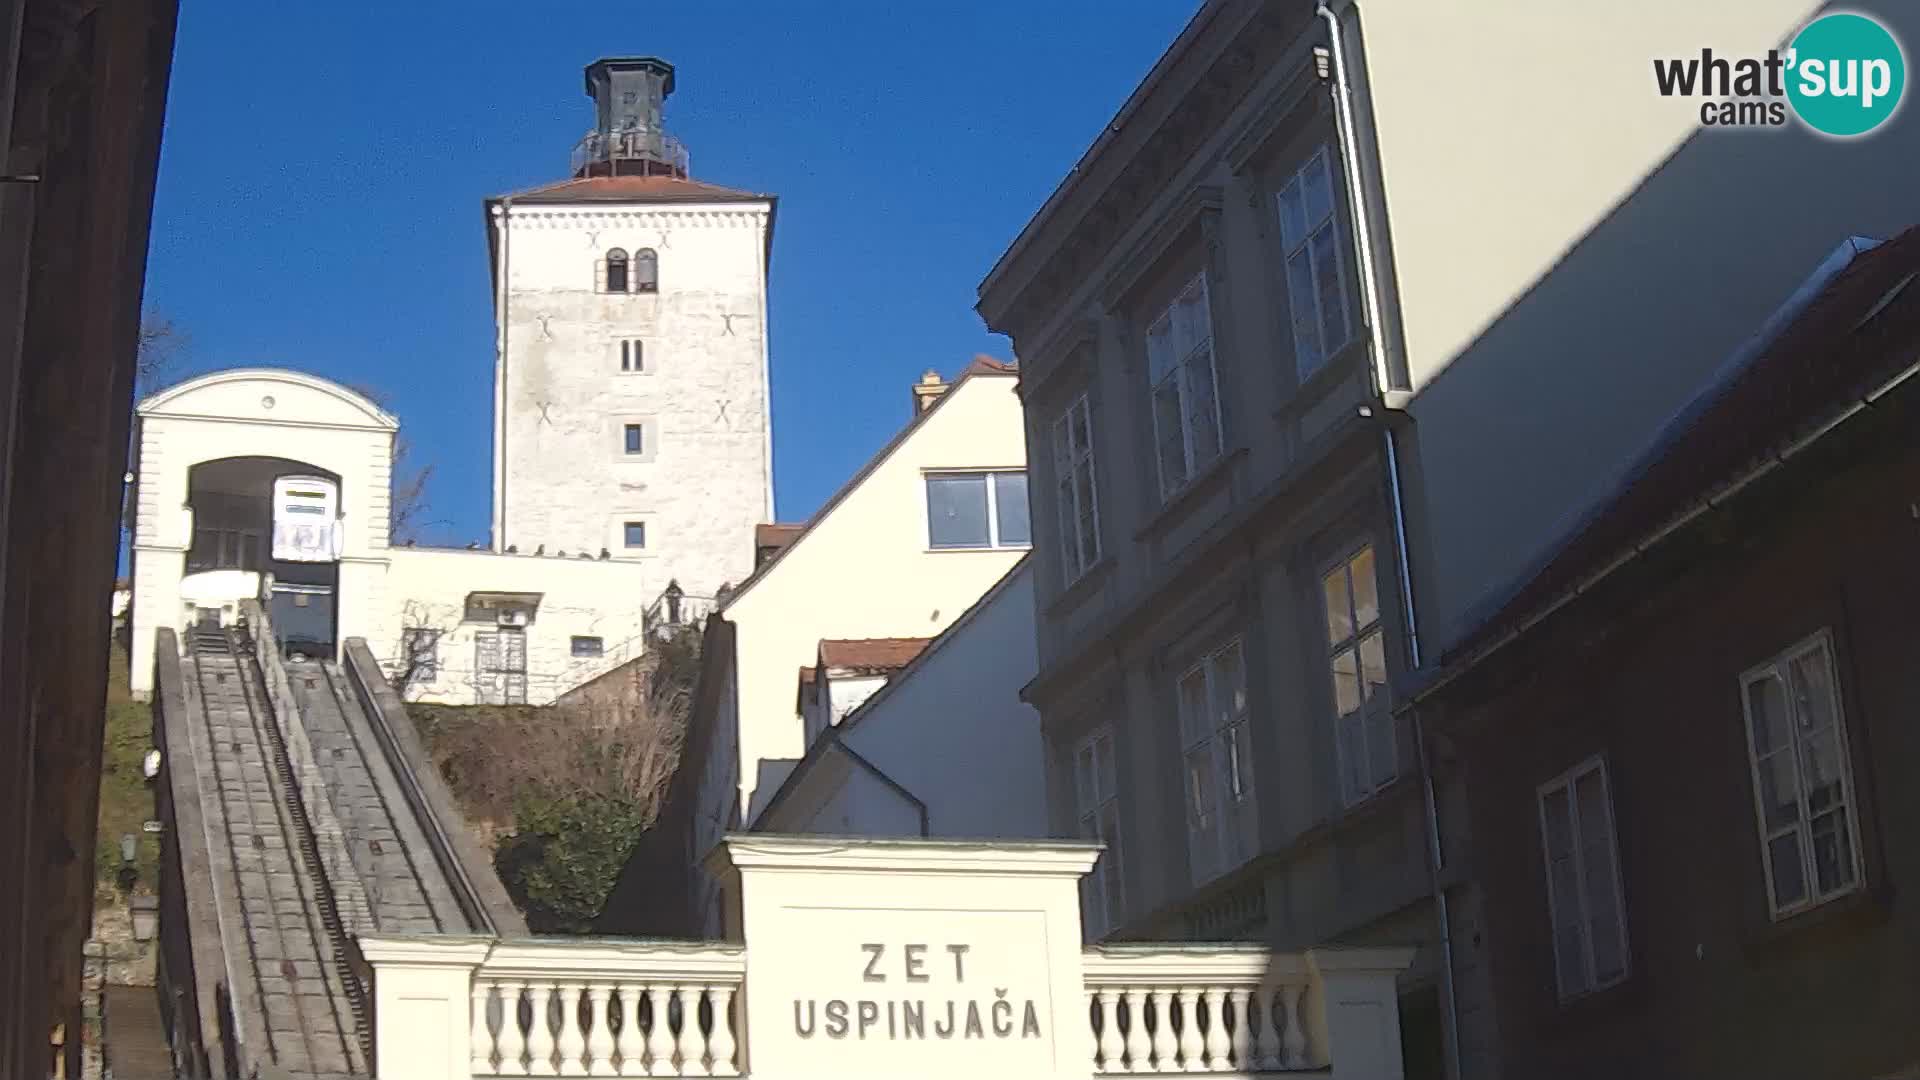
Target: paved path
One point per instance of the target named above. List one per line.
(136, 1038)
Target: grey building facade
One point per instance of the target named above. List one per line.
(1220, 603)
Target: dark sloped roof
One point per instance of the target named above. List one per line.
(1765, 399)
(632, 189)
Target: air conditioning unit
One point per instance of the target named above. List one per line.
(513, 617)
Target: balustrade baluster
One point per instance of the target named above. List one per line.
(632, 1042)
(513, 1038)
(1239, 998)
(1164, 1044)
(659, 1034)
(540, 1033)
(1139, 1048)
(1190, 1042)
(1110, 1045)
(573, 1041)
(687, 1050)
(1216, 1044)
(721, 1043)
(1266, 1050)
(1293, 1038)
(600, 1039)
(480, 1035)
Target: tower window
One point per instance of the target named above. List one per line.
(632, 355)
(617, 270)
(634, 534)
(646, 271)
(636, 441)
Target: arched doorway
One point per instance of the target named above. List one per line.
(267, 526)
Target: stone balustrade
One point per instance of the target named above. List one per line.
(873, 959)
(599, 1007)
(560, 1008)
(1203, 1008)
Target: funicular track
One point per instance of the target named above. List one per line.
(317, 1021)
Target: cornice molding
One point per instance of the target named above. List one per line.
(1198, 208)
(1194, 118)
(1271, 120)
(630, 217)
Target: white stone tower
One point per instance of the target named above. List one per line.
(630, 305)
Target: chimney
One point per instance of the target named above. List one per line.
(927, 391)
(629, 97)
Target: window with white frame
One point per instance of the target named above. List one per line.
(1357, 657)
(1079, 506)
(1186, 405)
(1221, 826)
(977, 509)
(633, 355)
(1585, 900)
(1316, 285)
(1802, 778)
(1097, 804)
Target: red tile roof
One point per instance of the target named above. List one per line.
(775, 535)
(987, 365)
(870, 654)
(1845, 343)
(633, 189)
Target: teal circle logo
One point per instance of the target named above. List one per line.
(1846, 75)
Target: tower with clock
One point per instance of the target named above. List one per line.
(631, 412)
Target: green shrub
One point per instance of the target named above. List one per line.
(566, 851)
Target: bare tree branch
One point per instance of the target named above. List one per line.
(408, 508)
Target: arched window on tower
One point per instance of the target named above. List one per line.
(616, 280)
(646, 271)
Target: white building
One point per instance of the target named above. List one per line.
(901, 551)
(631, 394)
(631, 437)
(470, 625)
(941, 746)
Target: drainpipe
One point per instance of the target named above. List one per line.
(500, 378)
(1394, 399)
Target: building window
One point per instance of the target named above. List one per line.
(1097, 803)
(634, 534)
(1221, 825)
(977, 510)
(588, 646)
(224, 549)
(420, 652)
(633, 355)
(616, 275)
(635, 438)
(1584, 896)
(500, 662)
(1357, 656)
(1802, 778)
(1079, 507)
(1316, 285)
(646, 271)
(1186, 407)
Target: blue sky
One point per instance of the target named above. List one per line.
(323, 168)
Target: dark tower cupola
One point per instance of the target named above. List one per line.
(629, 96)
